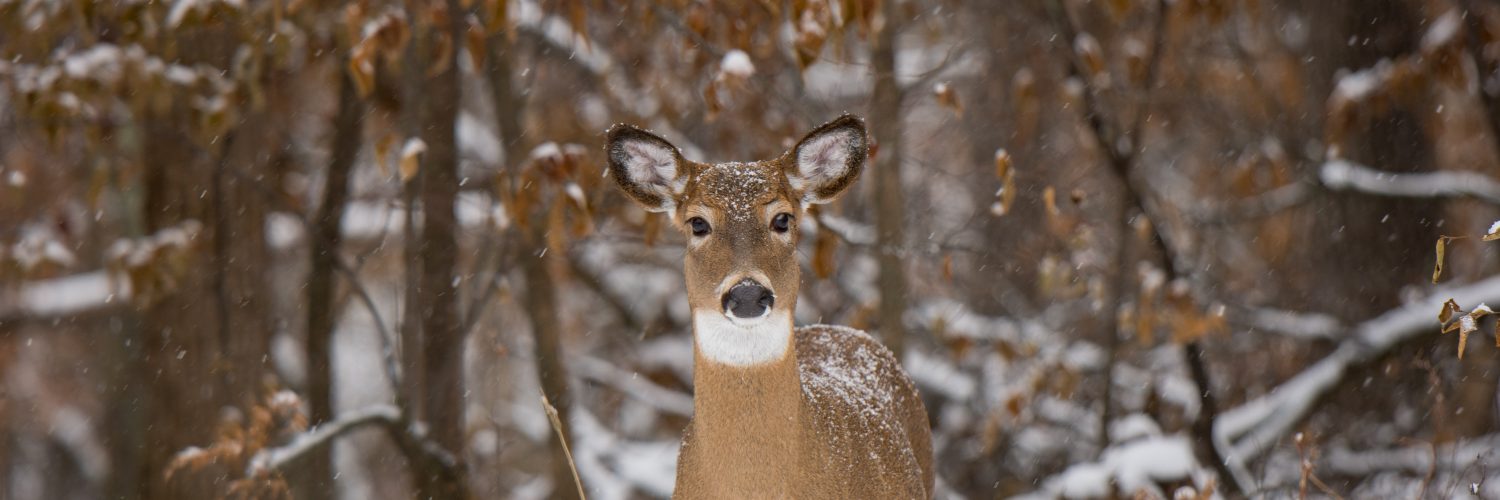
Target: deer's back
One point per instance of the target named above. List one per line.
(872, 437)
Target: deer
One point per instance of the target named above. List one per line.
(816, 411)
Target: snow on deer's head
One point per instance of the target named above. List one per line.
(741, 223)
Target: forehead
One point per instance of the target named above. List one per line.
(738, 188)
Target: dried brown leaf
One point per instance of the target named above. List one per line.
(496, 14)
(362, 67)
(557, 230)
(474, 39)
(1449, 308)
(1014, 404)
(1437, 267)
(1493, 234)
(1466, 326)
(1002, 163)
(411, 158)
(442, 58)
(948, 98)
(1049, 201)
(1006, 196)
(1088, 49)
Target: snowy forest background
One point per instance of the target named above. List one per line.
(1181, 247)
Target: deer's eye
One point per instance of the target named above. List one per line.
(699, 226)
(782, 222)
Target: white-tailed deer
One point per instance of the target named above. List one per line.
(811, 412)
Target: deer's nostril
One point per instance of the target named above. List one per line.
(748, 300)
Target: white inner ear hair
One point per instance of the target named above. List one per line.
(653, 167)
(756, 343)
(821, 159)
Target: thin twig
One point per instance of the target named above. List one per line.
(557, 426)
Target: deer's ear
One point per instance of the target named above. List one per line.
(828, 160)
(648, 168)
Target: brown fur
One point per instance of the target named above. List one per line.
(837, 417)
(764, 432)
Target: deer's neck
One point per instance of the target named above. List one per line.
(747, 417)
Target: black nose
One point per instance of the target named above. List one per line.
(748, 300)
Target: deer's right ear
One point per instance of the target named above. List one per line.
(829, 159)
(648, 168)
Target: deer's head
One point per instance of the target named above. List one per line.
(741, 222)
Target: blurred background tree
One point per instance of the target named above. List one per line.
(315, 249)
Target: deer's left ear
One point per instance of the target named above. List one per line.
(828, 160)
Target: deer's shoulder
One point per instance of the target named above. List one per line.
(845, 368)
(865, 409)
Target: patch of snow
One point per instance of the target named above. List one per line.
(413, 147)
(1443, 31)
(935, 373)
(1180, 391)
(1132, 427)
(40, 244)
(69, 295)
(1083, 356)
(613, 467)
(283, 230)
(1128, 469)
(736, 63)
(478, 141)
(1359, 85)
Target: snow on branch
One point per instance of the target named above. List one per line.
(1417, 459)
(1346, 175)
(62, 297)
(1299, 325)
(408, 435)
(1245, 432)
(323, 435)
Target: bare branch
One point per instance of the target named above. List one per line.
(926, 78)
(387, 337)
(862, 235)
(1259, 206)
(630, 384)
(585, 54)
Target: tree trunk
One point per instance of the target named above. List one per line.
(204, 344)
(541, 288)
(441, 347)
(541, 301)
(890, 210)
(321, 283)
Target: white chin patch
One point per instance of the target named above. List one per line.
(742, 342)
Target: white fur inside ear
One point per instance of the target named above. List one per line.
(653, 167)
(821, 159)
(742, 343)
